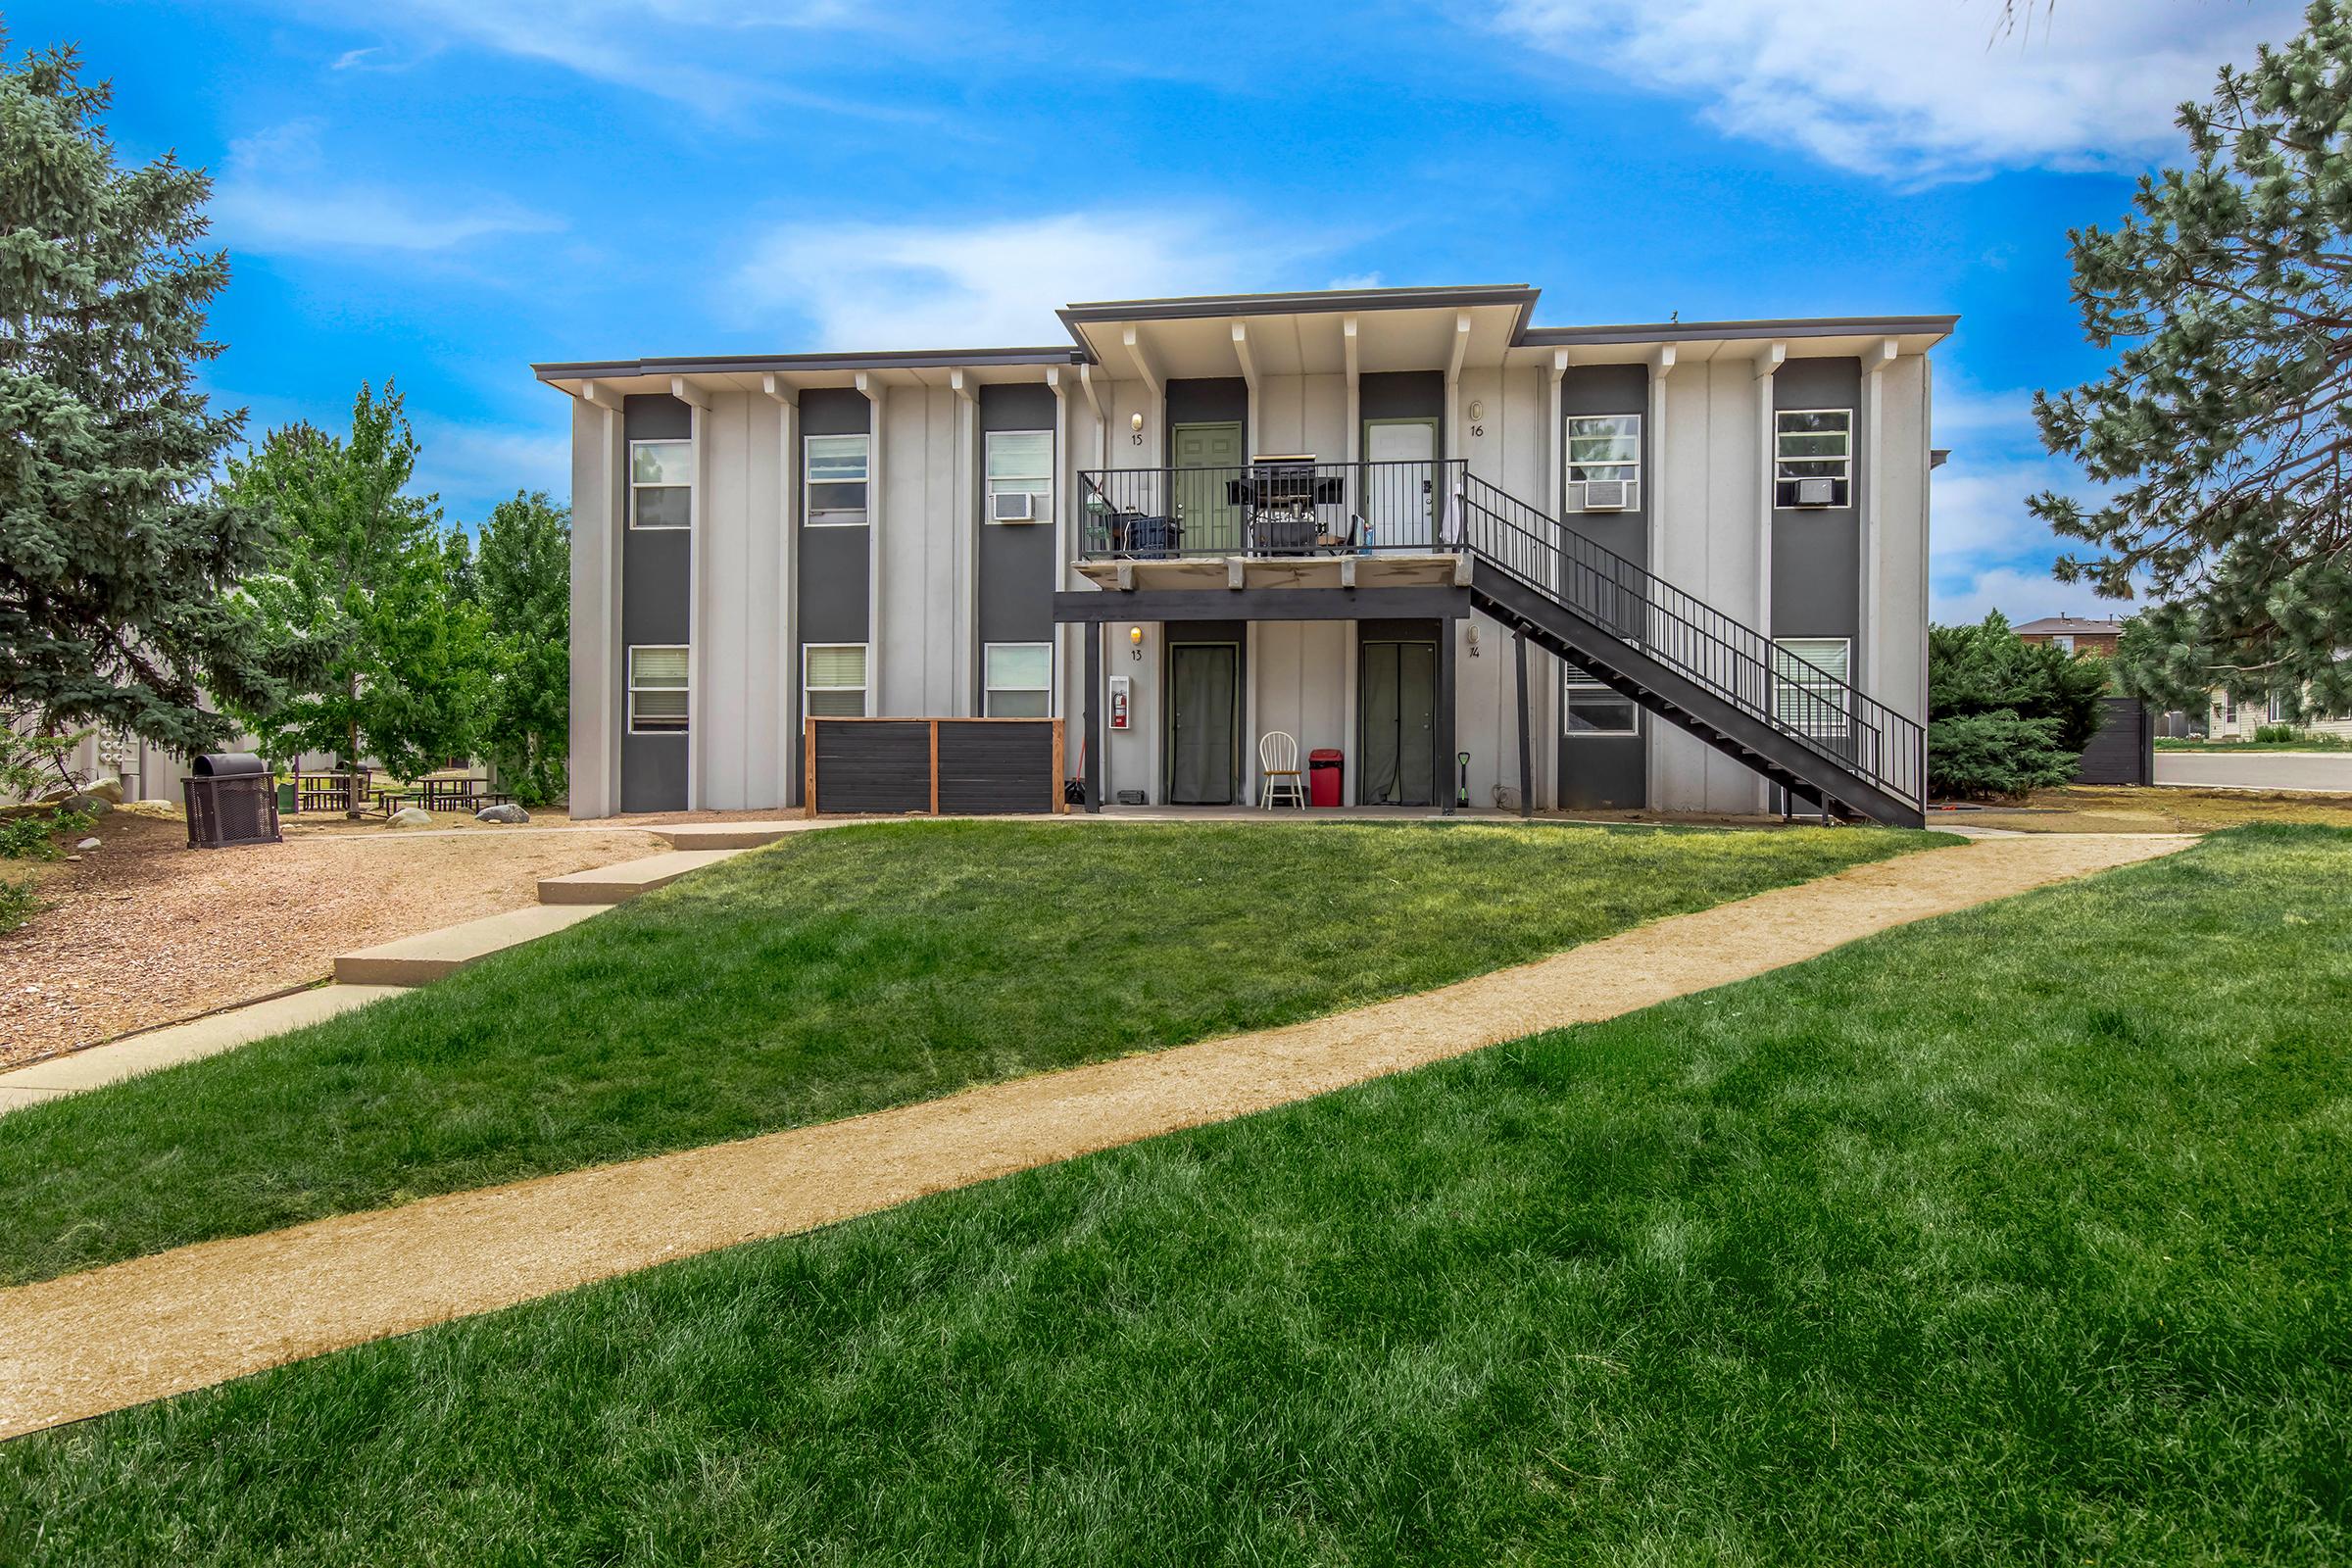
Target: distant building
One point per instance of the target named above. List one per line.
(2074, 635)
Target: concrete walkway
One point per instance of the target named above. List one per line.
(154, 1326)
(168, 1047)
(2317, 773)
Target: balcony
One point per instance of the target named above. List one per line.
(1272, 507)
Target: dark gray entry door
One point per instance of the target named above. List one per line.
(1397, 708)
(1203, 734)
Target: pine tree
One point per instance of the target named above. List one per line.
(2226, 422)
(377, 652)
(114, 549)
(525, 575)
(2006, 717)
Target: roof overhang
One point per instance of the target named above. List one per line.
(1318, 334)
(748, 373)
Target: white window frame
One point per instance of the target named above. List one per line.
(629, 679)
(1631, 476)
(1577, 682)
(1039, 489)
(1811, 718)
(988, 691)
(662, 441)
(864, 690)
(2276, 710)
(1844, 473)
(837, 516)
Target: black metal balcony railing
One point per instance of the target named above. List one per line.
(1267, 509)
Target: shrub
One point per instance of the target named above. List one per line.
(18, 904)
(1999, 755)
(2276, 734)
(33, 836)
(2037, 698)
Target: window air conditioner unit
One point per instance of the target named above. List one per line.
(1014, 506)
(1604, 495)
(1816, 492)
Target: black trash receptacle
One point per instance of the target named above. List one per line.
(231, 800)
(1326, 777)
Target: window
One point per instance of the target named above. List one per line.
(657, 691)
(1604, 449)
(660, 484)
(2277, 707)
(2064, 642)
(1808, 688)
(835, 472)
(1019, 677)
(1592, 709)
(2226, 708)
(1020, 476)
(833, 680)
(1815, 444)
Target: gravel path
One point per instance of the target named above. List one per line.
(90, 1342)
(145, 931)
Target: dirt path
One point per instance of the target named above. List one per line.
(111, 1337)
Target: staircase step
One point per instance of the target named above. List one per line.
(421, 959)
(617, 884)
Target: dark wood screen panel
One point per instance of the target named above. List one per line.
(952, 767)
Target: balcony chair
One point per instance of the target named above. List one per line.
(1278, 769)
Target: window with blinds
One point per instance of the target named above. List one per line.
(1019, 679)
(833, 680)
(836, 475)
(1809, 683)
(657, 690)
(660, 484)
(1020, 476)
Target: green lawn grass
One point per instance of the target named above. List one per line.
(2016, 1236)
(836, 973)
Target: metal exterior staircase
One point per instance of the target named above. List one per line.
(1809, 732)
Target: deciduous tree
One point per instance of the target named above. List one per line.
(524, 574)
(377, 652)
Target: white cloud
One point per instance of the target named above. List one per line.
(1919, 90)
(277, 193)
(650, 45)
(922, 285)
(1355, 280)
(472, 467)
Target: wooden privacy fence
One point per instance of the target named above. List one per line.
(943, 766)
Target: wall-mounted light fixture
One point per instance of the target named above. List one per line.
(1477, 410)
(1135, 428)
(1135, 643)
(1470, 636)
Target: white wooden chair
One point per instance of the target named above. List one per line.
(1278, 777)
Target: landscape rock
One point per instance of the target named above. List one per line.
(109, 790)
(411, 817)
(88, 843)
(506, 813)
(88, 804)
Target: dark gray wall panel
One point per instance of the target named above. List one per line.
(1816, 551)
(1604, 772)
(657, 598)
(1611, 389)
(1402, 395)
(835, 565)
(1208, 400)
(834, 411)
(1016, 563)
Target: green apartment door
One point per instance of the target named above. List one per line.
(1396, 724)
(1204, 500)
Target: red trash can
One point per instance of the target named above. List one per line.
(1325, 768)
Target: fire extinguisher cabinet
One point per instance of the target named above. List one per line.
(1326, 774)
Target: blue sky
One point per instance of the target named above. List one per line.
(445, 191)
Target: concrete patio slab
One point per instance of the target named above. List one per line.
(617, 884)
(421, 959)
(208, 1035)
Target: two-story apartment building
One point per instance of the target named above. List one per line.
(1679, 566)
